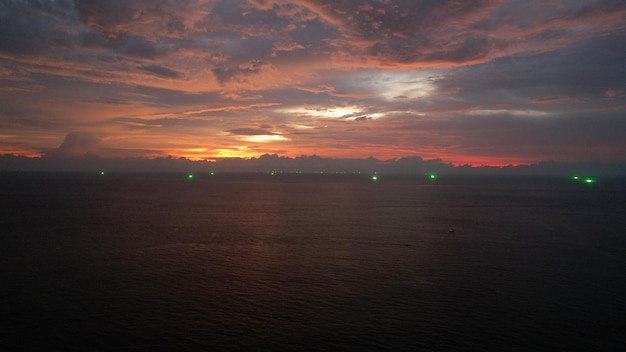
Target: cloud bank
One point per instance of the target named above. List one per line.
(488, 82)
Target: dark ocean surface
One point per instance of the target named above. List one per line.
(311, 262)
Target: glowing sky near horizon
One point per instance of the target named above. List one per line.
(479, 82)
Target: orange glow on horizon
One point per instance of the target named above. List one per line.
(249, 152)
(20, 152)
(244, 152)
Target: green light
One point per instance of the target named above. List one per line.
(102, 173)
(374, 178)
(589, 180)
(432, 176)
(212, 173)
(190, 176)
(575, 177)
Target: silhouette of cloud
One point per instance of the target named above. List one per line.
(77, 144)
(249, 131)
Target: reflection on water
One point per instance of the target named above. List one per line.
(234, 262)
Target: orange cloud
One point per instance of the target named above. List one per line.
(382, 78)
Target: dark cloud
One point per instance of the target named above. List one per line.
(250, 132)
(107, 101)
(161, 71)
(236, 16)
(77, 144)
(413, 165)
(139, 123)
(115, 18)
(134, 46)
(570, 137)
(165, 123)
(452, 32)
(415, 31)
(126, 44)
(33, 27)
(226, 74)
(578, 74)
(171, 97)
(109, 17)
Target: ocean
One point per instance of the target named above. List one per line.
(253, 262)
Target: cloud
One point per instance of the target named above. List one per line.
(578, 73)
(505, 136)
(226, 74)
(550, 100)
(161, 71)
(612, 93)
(249, 132)
(330, 90)
(127, 44)
(166, 18)
(106, 101)
(286, 45)
(25, 31)
(78, 144)
(387, 78)
(230, 108)
(447, 33)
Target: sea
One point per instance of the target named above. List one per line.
(311, 262)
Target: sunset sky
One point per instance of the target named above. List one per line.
(478, 82)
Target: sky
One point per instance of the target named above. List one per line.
(494, 82)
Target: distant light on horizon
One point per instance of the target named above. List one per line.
(584, 180)
(189, 176)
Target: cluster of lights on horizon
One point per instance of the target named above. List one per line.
(584, 179)
(374, 176)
